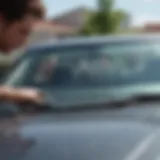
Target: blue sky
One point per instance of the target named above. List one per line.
(141, 10)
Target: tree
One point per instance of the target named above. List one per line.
(103, 17)
(89, 26)
(118, 16)
(104, 20)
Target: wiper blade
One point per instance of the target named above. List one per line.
(145, 98)
(136, 99)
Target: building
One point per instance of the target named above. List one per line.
(65, 25)
(45, 30)
(152, 27)
(75, 17)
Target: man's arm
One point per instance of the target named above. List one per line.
(20, 94)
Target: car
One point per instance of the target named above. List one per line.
(102, 101)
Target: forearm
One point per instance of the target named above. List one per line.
(20, 94)
(7, 93)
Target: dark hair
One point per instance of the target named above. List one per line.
(13, 10)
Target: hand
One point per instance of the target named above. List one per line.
(29, 95)
(21, 94)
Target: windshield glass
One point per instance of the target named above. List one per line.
(89, 67)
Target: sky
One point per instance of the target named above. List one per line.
(142, 11)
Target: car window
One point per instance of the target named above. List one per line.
(94, 65)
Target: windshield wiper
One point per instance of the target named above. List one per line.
(116, 103)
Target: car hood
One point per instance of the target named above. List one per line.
(78, 136)
(71, 97)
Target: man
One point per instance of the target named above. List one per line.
(17, 18)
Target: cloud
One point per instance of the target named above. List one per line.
(140, 20)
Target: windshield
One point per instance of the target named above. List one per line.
(89, 67)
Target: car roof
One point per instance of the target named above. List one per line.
(92, 40)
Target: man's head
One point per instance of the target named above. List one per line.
(17, 18)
